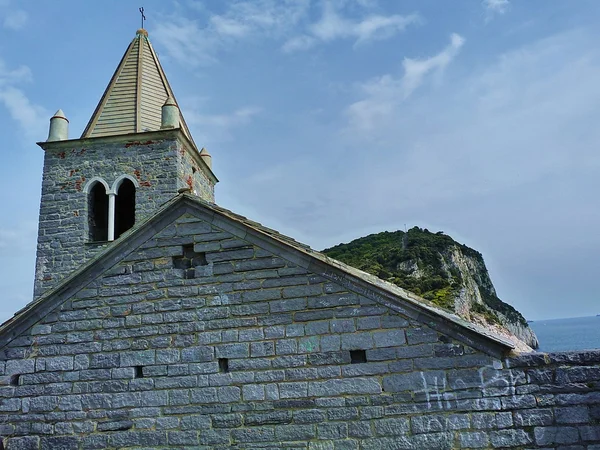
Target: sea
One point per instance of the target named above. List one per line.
(560, 335)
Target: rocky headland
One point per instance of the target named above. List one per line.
(442, 271)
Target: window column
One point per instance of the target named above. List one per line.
(111, 215)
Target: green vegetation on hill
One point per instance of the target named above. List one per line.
(415, 261)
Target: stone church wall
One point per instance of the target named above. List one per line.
(199, 339)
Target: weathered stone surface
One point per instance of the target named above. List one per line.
(257, 355)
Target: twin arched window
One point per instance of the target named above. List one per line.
(98, 212)
(111, 212)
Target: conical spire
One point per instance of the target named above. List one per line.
(134, 97)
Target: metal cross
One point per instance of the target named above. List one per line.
(143, 16)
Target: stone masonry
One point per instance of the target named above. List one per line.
(201, 338)
(162, 163)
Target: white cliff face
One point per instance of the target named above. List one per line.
(477, 292)
(475, 299)
(522, 331)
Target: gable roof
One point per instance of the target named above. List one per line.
(367, 285)
(134, 97)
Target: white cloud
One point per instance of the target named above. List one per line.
(495, 7)
(30, 117)
(385, 93)
(15, 20)
(8, 76)
(333, 25)
(191, 42)
(33, 119)
(299, 43)
(199, 42)
(415, 70)
(522, 122)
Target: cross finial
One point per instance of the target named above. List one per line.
(143, 16)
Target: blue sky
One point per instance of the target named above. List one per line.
(332, 119)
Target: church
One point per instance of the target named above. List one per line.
(162, 320)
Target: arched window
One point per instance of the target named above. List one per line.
(124, 207)
(98, 212)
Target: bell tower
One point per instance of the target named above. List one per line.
(135, 154)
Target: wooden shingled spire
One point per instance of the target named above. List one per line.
(134, 97)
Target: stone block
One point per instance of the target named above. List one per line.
(317, 328)
(351, 386)
(356, 341)
(268, 418)
(197, 354)
(519, 401)
(475, 439)
(438, 441)
(286, 347)
(239, 350)
(259, 264)
(577, 375)
(104, 360)
(576, 414)
(118, 425)
(253, 392)
(226, 420)
(204, 395)
(302, 291)
(414, 381)
(261, 295)
(355, 370)
(309, 416)
(391, 427)
(309, 316)
(590, 433)
(154, 398)
(138, 358)
(229, 394)
(137, 438)
(176, 382)
(182, 437)
(300, 433)
(253, 434)
(195, 422)
(293, 390)
(23, 443)
(389, 338)
(290, 304)
(421, 335)
(19, 366)
(510, 438)
(556, 435)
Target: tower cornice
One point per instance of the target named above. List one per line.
(145, 138)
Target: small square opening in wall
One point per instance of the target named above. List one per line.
(138, 372)
(199, 259)
(358, 356)
(189, 273)
(15, 380)
(188, 260)
(223, 365)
